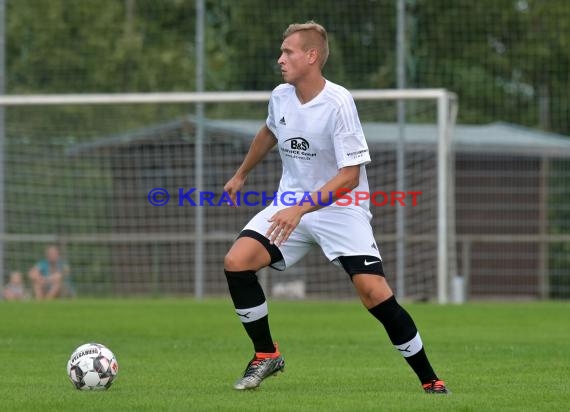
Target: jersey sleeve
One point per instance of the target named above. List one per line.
(349, 142)
(270, 122)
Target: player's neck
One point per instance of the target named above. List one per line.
(309, 88)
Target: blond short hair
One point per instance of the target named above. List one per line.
(314, 36)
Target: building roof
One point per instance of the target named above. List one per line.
(493, 138)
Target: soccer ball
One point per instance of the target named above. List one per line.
(92, 367)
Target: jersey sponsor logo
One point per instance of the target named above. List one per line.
(358, 154)
(297, 148)
(282, 121)
(367, 263)
(298, 143)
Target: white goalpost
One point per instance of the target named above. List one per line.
(78, 169)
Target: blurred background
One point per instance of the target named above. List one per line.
(78, 176)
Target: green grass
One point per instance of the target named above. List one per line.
(183, 355)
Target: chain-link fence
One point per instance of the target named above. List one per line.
(507, 61)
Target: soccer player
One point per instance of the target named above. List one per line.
(315, 125)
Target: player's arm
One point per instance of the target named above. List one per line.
(262, 143)
(286, 220)
(346, 179)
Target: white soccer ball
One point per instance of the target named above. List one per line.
(92, 366)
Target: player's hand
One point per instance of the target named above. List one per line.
(283, 224)
(234, 185)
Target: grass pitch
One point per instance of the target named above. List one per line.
(183, 355)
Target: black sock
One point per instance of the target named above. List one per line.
(404, 336)
(251, 307)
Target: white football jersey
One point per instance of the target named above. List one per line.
(317, 138)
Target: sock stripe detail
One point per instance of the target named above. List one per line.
(252, 314)
(411, 347)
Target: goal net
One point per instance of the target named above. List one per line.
(89, 174)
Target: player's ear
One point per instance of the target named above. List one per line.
(313, 55)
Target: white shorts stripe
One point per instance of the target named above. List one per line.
(252, 314)
(412, 347)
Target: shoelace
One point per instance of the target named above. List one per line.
(435, 385)
(255, 362)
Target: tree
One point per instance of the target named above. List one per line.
(506, 59)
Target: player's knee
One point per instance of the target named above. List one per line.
(233, 262)
(230, 262)
(246, 256)
(373, 297)
(373, 290)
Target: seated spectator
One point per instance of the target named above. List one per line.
(49, 276)
(14, 289)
